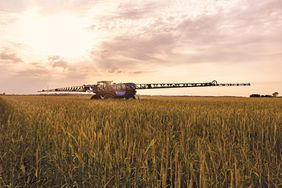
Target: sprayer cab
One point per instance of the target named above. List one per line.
(107, 89)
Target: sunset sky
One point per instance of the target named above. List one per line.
(56, 43)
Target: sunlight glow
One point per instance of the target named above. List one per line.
(60, 34)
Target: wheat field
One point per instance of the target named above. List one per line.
(71, 141)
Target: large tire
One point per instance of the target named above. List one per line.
(107, 96)
(131, 97)
(94, 97)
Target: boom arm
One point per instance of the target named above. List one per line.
(179, 85)
(92, 88)
(83, 88)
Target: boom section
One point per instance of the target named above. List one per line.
(180, 85)
(83, 88)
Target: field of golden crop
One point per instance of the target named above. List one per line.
(71, 141)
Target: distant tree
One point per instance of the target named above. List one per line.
(255, 95)
(4, 93)
(275, 94)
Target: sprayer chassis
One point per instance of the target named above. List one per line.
(107, 89)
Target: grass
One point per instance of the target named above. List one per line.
(71, 141)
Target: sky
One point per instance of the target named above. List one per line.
(48, 44)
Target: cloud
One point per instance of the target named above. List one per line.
(19, 79)
(139, 47)
(126, 71)
(137, 10)
(41, 75)
(13, 5)
(57, 61)
(115, 70)
(132, 39)
(47, 7)
(35, 72)
(237, 35)
(141, 72)
(9, 56)
(247, 32)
